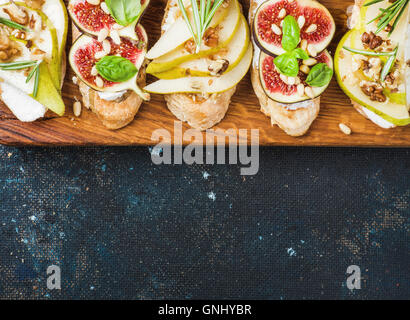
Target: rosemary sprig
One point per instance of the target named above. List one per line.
(202, 17)
(18, 65)
(370, 53)
(393, 12)
(389, 63)
(13, 24)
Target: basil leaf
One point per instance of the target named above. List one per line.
(320, 75)
(287, 64)
(124, 11)
(291, 33)
(300, 54)
(116, 69)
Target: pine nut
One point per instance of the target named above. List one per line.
(291, 81)
(301, 89)
(102, 34)
(77, 108)
(303, 44)
(94, 2)
(309, 92)
(99, 82)
(276, 29)
(345, 129)
(311, 28)
(106, 46)
(309, 62)
(304, 68)
(94, 71)
(282, 13)
(100, 54)
(311, 50)
(301, 21)
(104, 7)
(297, 80)
(115, 37)
(283, 78)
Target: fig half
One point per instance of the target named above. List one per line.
(91, 19)
(279, 91)
(83, 59)
(316, 22)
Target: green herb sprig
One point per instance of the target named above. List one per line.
(202, 17)
(393, 12)
(389, 63)
(12, 24)
(23, 65)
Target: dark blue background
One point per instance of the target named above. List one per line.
(121, 227)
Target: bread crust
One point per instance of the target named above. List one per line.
(113, 114)
(201, 113)
(291, 118)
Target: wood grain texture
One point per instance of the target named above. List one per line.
(243, 113)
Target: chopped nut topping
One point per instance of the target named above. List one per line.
(373, 90)
(17, 14)
(8, 49)
(190, 46)
(218, 67)
(371, 40)
(211, 37)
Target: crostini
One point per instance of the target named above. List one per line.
(291, 67)
(372, 61)
(108, 57)
(203, 53)
(32, 58)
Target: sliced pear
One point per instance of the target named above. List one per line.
(54, 58)
(233, 53)
(204, 84)
(56, 12)
(47, 93)
(24, 107)
(389, 110)
(179, 32)
(45, 40)
(228, 28)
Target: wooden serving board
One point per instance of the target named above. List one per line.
(244, 112)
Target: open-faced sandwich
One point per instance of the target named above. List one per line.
(291, 67)
(108, 57)
(203, 53)
(372, 58)
(32, 60)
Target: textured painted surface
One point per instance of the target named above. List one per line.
(121, 227)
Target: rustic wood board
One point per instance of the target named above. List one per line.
(243, 113)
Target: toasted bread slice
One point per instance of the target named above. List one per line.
(199, 112)
(295, 119)
(114, 114)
